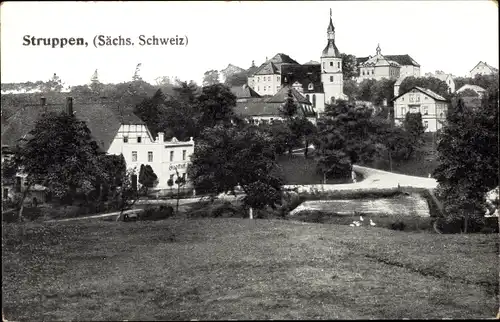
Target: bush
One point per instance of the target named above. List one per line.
(215, 210)
(156, 213)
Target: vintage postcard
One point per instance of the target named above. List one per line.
(249, 160)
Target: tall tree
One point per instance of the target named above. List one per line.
(414, 127)
(365, 89)
(215, 105)
(351, 89)
(434, 84)
(54, 84)
(226, 157)
(382, 90)
(137, 76)
(210, 78)
(151, 111)
(60, 154)
(236, 79)
(349, 66)
(289, 109)
(469, 160)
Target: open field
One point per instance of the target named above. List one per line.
(243, 269)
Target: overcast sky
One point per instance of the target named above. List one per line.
(452, 36)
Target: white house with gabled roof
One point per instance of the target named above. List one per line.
(432, 106)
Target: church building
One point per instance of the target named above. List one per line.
(320, 83)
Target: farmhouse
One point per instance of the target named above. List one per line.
(432, 106)
(116, 130)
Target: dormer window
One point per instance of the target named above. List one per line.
(139, 139)
(125, 139)
(310, 87)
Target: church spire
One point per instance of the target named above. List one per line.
(331, 29)
(378, 50)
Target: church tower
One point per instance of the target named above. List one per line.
(331, 68)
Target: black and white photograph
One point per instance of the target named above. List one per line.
(250, 160)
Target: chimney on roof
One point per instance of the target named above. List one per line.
(253, 63)
(69, 105)
(161, 137)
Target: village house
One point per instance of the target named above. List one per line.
(483, 68)
(260, 110)
(430, 105)
(322, 82)
(477, 89)
(116, 131)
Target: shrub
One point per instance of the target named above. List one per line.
(156, 213)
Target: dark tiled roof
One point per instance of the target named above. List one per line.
(400, 59)
(268, 68)
(103, 119)
(273, 65)
(251, 71)
(244, 92)
(282, 95)
(304, 74)
(312, 62)
(330, 49)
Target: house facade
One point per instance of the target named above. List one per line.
(378, 67)
(116, 131)
(432, 106)
(322, 82)
(483, 68)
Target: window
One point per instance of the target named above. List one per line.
(323, 65)
(258, 88)
(139, 139)
(307, 96)
(314, 100)
(338, 65)
(373, 71)
(311, 87)
(425, 110)
(184, 176)
(269, 78)
(264, 88)
(426, 124)
(183, 155)
(411, 98)
(171, 155)
(150, 156)
(363, 71)
(278, 78)
(125, 139)
(331, 63)
(418, 98)
(403, 111)
(134, 156)
(258, 79)
(331, 79)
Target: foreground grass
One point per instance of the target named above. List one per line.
(242, 269)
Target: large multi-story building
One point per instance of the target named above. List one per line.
(387, 66)
(432, 106)
(116, 131)
(447, 78)
(322, 82)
